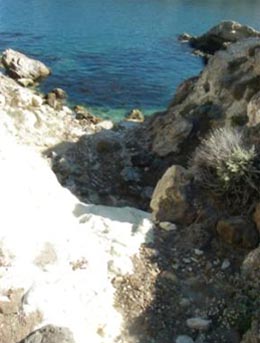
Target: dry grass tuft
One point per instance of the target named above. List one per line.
(228, 167)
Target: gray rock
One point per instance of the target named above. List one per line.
(253, 110)
(172, 135)
(198, 323)
(19, 66)
(172, 197)
(50, 334)
(225, 264)
(251, 265)
(184, 339)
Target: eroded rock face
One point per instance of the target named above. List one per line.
(19, 66)
(50, 334)
(220, 36)
(172, 197)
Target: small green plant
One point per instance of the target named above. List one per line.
(229, 167)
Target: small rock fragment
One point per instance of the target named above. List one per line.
(168, 226)
(225, 264)
(198, 252)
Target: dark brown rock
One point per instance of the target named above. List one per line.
(238, 231)
(172, 197)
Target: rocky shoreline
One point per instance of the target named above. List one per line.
(196, 166)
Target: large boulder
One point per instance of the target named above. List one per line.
(172, 199)
(220, 36)
(19, 66)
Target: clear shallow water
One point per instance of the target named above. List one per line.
(115, 55)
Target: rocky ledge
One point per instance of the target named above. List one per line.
(74, 272)
(219, 38)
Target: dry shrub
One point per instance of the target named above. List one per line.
(229, 167)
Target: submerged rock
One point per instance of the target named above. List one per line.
(19, 66)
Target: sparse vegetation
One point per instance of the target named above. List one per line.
(229, 167)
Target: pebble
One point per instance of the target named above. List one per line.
(225, 264)
(184, 339)
(198, 252)
(198, 323)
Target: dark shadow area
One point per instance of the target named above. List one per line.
(111, 167)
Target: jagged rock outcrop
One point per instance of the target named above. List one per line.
(26, 115)
(219, 96)
(219, 37)
(21, 67)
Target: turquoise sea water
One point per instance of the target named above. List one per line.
(115, 55)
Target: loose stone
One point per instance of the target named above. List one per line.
(198, 323)
(225, 264)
